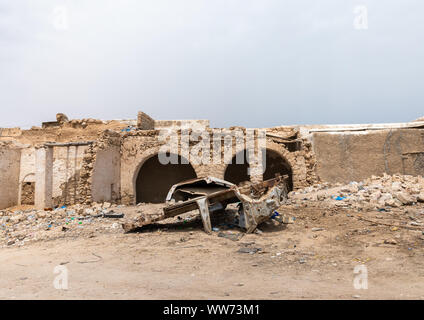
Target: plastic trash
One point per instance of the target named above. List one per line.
(276, 214)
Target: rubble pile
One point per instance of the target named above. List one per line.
(372, 193)
(20, 226)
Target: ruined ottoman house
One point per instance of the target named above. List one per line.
(84, 161)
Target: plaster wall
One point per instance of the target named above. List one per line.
(106, 176)
(9, 176)
(354, 156)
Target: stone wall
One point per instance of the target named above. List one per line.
(139, 146)
(136, 148)
(88, 160)
(67, 164)
(89, 185)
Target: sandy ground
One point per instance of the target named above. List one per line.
(180, 261)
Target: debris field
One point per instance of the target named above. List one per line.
(329, 229)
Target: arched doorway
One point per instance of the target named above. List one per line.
(155, 179)
(275, 164)
(237, 173)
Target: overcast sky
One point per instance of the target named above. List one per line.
(254, 63)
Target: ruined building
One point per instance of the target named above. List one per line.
(83, 161)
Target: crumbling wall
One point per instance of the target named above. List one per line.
(357, 155)
(9, 175)
(27, 196)
(67, 164)
(7, 133)
(297, 151)
(109, 142)
(81, 162)
(302, 162)
(27, 176)
(75, 130)
(181, 124)
(140, 146)
(136, 148)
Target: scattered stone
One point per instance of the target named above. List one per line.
(375, 193)
(230, 236)
(106, 205)
(390, 241)
(249, 250)
(41, 214)
(405, 198)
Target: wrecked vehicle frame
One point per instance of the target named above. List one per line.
(210, 194)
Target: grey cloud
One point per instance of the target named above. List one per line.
(251, 63)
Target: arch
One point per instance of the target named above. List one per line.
(276, 164)
(277, 160)
(294, 160)
(153, 179)
(26, 193)
(237, 173)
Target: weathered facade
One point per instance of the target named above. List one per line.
(83, 161)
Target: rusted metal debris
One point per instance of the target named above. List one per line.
(258, 202)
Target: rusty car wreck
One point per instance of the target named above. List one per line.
(256, 202)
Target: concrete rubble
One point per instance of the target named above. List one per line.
(374, 193)
(20, 226)
(380, 194)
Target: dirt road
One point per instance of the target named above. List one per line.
(314, 258)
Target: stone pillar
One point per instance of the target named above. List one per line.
(43, 177)
(257, 166)
(256, 174)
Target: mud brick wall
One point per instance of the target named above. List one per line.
(354, 156)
